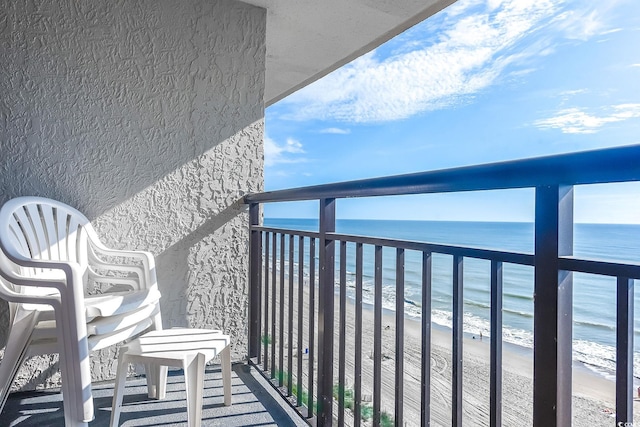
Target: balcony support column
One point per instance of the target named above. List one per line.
(255, 264)
(553, 311)
(326, 312)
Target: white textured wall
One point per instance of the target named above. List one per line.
(148, 117)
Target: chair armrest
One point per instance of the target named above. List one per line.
(58, 277)
(133, 282)
(98, 264)
(9, 294)
(144, 256)
(146, 273)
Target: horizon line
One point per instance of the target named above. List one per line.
(452, 220)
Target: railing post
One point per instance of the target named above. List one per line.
(495, 393)
(458, 341)
(553, 313)
(255, 263)
(325, 312)
(399, 410)
(425, 375)
(624, 352)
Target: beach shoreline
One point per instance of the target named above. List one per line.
(593, 394)
(593, 402)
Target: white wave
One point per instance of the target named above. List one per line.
(598, 357)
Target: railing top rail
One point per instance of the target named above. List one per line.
(610, 165)
(606, 268)
(313, 234)
(466, 251)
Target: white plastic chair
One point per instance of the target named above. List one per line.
(50, 253)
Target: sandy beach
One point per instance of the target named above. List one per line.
(593, 394)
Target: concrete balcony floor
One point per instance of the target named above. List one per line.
(254, 403)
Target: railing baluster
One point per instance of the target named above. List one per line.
(265, 338)
(377, 336)
(425, 377)
(312, 323)
(281, 315)
(290, 320)
(274, 281)
(271, 246)
(399, 337)
(624, 352)
(255, 262)
(357, 392)
(457, 350)
(495, 399)
(342, 331)
(300, 316)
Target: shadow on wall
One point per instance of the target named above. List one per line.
(195, 222)
(148, 118)
(146, 89)
(190, 301)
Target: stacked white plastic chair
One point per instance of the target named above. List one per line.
(50, 253)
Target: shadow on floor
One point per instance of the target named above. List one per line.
(254, 403)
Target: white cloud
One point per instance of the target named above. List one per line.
(587, 21)
(575, 120)
(568, 96)
(611, 31)
(580, 25)
(570, 93)
(275, 153)
(471, 49)
(337, 131)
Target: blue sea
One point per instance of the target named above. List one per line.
(594, 296)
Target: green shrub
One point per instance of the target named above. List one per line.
(386, 420)
(366, 412)
(283, 377)
(347, 393)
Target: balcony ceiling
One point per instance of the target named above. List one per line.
(307, 39)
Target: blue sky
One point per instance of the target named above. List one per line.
(482, 81)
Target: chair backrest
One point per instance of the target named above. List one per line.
(43, 229)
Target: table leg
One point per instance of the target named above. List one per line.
(225, 360)
(194, 382)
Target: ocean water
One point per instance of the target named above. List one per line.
(593, 296)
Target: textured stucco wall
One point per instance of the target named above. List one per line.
(148, 117)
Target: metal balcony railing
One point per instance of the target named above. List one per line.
(276, 317)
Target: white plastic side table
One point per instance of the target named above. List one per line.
(184, 348)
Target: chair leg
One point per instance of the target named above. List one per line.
(194, 384)
(15, 351)
(118, 392)
(69, 409)
(75, 367)
(69, 394)
(225, 360)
